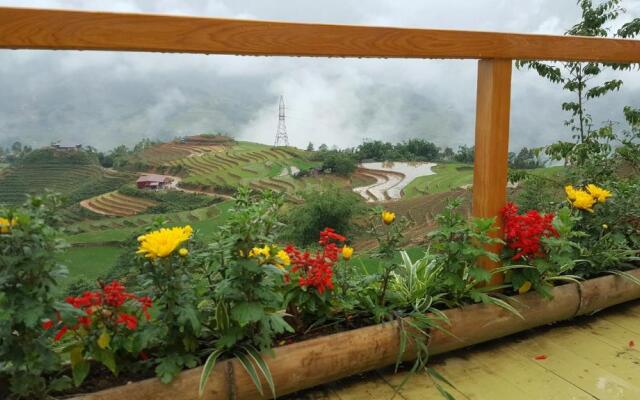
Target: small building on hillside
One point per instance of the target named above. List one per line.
(153, 181)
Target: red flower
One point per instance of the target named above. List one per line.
(60, 334)
(146, 303)
(110, 306)
(128, 320)
(47, 324)
(524, 232)
(316, 270)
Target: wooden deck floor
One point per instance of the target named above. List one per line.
(591, 358)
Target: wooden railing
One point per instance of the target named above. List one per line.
(76, 30)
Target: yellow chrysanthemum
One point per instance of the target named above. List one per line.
(5, 224)
(163, 242)
(583, 201)
(388, 217)
(257, 251)
(525, 287)
(183, 252)
(571, 192)
(347, 252)
(598, 193)
(284, 259)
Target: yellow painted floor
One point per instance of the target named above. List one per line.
(589, 358)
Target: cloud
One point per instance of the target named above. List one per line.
(108, 98)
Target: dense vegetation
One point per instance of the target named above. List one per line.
(170, 200)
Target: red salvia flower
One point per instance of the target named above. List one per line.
(60, 334)
(47, 324)
(316, 270)
(128, 320)
(110, 305)
(523, 232)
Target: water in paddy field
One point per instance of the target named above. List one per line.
(391, 178)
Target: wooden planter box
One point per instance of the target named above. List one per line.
(317, 361)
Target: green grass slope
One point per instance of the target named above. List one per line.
(447, 177)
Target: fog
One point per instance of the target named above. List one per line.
(104, 99)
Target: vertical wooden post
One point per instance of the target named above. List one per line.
(492, 145)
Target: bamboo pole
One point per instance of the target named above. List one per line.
(313, 362)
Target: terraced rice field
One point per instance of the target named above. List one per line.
(116, 204)
(390, 179)
(166, 152)
(117, 229)
(252, 165)
(15, 182)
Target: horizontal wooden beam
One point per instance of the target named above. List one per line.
(22, 28)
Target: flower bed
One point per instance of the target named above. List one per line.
(233, 303)
(317, 361)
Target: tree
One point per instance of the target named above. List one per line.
(447, 154)
(339, 163)
(323, 147)
(578, 77)
(328, 207)
(16, 147)
(465, 154)
(310, 146)
(526, 159)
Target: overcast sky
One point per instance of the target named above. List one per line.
(104, 99)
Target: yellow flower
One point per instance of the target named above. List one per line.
(257, 251)
(104, 340)
(163, 242)
(571, 192)
(605, 226)
(347, 252)
(284, 258)
(388, 217)
(598, 193)
(183, 252)
(5, 224)
(583, 201)
(525, 287)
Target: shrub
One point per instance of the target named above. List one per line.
(244, 272)
(166, 274)
(329, 207)
(339, 163)
(104, 328)
(29, 277)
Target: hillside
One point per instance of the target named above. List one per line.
(75, 174)
(244, 164)
(163, 153)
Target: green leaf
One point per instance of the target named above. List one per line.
(59, 384)
(79, 366)
(251, 370)
(168, 368)
(262, 365)
(206, 370)
(436, 375)
(480, 274)
(245, 313)
(107, 358)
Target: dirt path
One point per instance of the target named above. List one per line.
(176, 181)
